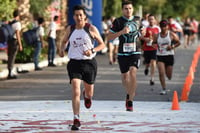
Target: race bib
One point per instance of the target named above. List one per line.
(129, 47)
(163, 48)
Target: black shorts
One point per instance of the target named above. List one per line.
(125, 62)
(168, 60)
(85, 70)
(149, 55)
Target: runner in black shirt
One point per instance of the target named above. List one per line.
(128, 31)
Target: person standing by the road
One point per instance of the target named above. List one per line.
(82, 64)
(149, 50)
(40, 43)
(14, 44)
(52, 41)
(126, 28)
(165, 52)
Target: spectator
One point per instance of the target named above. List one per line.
(52, 41)
(14, 44)
(39, 44)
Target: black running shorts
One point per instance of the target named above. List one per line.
(149, 55)
(85, 70)
(168, 60)
(125, 62)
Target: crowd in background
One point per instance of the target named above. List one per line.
(187, 30)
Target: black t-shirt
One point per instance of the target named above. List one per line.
(127, 40)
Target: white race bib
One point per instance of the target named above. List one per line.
(129, 47)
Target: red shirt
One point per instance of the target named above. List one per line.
(150, 31)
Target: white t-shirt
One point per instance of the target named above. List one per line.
(40, 32)
(163, 43)
(80, 41)
(16, 26)
(52, 28)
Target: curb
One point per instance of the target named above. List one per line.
(20, 68)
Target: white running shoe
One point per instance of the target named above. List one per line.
(163, 92)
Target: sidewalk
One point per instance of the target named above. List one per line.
(26, 66)
(104, 116)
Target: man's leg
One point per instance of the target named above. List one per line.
(129, 83)
(37, 55)
(12, 52)
(125, 81)
(50, 43)
(132, 82)
(153, 68)
(76, 92)
(89, 90)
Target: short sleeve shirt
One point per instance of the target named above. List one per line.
(52, 28)
(40, 32)
(16, 26)
(127, 40)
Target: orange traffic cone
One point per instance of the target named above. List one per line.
(175, 104)
(184, 95)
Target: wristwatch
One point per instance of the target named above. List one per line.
(93, 51)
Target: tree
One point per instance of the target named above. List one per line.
(6, 9)
(165, 8)
(111, 8)
(39, 7)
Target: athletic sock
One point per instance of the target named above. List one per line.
(76, 116)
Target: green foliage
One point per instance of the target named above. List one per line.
(26, 55)
(6, 9)
(38, 7)
(165, 8)
(112, 8)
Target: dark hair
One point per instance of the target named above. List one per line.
(151, 15)
(79, 7)
(163, 23)
(126, 2)
(15, 13)
(40, 20)
(55, 18)
(169, 17)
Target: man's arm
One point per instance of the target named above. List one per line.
(112, 36)
(96, 35)
(19, 39)
(64, 42)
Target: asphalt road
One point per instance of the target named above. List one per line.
(52, 82)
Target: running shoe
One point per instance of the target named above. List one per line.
(87, 101)
(163, 92)
(146, 71)
(127, 98)
(129, 106)
(76, 124)
(152, 82)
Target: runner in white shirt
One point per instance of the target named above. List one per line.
(82, 64)
(165, 52)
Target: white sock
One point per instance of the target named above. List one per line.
(76, 116)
